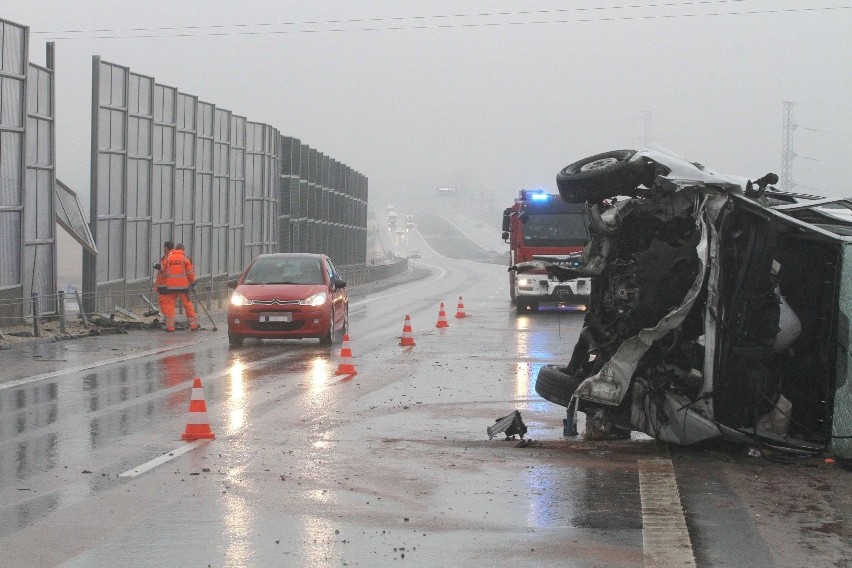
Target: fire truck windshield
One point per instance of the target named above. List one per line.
(554, 230)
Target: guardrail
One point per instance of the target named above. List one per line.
(67, 305)
(358, 275)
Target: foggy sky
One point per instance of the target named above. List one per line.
(490, 108)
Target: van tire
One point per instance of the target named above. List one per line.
(599, 177)
(555, 386)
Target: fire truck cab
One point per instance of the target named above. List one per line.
(541, 226)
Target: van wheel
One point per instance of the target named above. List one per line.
(599, 177)
(556, 386)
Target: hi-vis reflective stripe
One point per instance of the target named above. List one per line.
(182, 274)
(197, 426)
(198, 406)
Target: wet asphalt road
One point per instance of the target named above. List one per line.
(390, 466)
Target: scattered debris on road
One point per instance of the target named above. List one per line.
(511, 425)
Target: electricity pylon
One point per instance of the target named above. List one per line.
(787, 152)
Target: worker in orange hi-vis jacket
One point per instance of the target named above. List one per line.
(176, 277)
(158, 267)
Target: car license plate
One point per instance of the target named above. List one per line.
(285, 317)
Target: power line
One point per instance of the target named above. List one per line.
(822, 131)
(450, 26)
(821, 161)
(403, 18)
(818, 188)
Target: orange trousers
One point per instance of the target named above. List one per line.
(168, 303)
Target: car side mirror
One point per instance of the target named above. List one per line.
(505, 235)
(338, 283)
(233, 283)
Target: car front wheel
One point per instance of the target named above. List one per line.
(235, 340)
(328, 338)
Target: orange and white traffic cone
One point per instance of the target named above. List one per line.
(346, 366)
(442, 318)
(407, 339)
(460, 310)
(197, 427)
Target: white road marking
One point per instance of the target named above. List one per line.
(407, 290)
(94, 364)
(473, 240)
(99, 363)
(665, 538)
(162, 459)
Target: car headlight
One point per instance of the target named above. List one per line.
(525, 281)
(317, 299)
(238, 299)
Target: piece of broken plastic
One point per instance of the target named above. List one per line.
(511, 425)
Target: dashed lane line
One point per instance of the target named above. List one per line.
(99, 363)
(665, 538)
(162, 459)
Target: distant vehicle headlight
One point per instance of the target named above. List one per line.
(317, 299)
(526, 281)
(238, 299)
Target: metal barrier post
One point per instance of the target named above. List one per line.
(82, 310)
(61, 309)
(209, 289)
(36, 328)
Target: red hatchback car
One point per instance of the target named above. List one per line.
(288, 295)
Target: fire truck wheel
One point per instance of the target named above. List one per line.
(599, 177)
(554, 385)
(524, 306)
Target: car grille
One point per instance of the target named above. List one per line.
(274, 302)
(275, 325)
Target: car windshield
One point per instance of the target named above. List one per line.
(555, 230)
(285, 271)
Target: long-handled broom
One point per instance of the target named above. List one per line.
(200, 303)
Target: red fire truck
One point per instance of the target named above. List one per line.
(541, 227)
